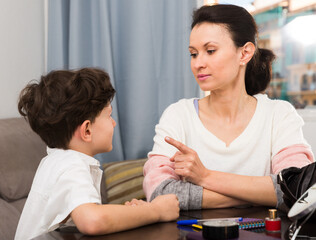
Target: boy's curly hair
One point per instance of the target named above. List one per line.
(62, 101)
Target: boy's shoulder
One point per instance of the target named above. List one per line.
(61, 160)
(61, 156)
(59, 164)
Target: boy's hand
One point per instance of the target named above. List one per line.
(167, 207)
(135, 202)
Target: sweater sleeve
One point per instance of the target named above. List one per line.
(297, 155)
(170, 124)
(157, 169)
(161, 179)
(189, 195)
(287, 128)
(278, 191)
(289, 148)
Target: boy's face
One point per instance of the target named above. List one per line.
(102, 131)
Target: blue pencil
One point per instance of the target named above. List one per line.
(195, 221)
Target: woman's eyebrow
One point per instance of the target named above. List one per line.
(205, 44)
(211, 42)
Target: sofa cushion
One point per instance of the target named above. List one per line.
(9, 218)
(124, 180)
(20, 153)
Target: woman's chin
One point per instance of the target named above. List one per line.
(205, 89)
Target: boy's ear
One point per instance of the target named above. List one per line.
(247, 52)
(85, 131)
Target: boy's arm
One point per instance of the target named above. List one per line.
(94, 219)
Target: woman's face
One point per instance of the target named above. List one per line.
(215, 60)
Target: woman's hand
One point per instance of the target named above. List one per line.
(187, 163)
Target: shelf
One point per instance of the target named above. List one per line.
(307, 92)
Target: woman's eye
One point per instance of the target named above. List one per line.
(210, 51)
(193, 55)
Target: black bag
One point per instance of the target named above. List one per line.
(295, 181)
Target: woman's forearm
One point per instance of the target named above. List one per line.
(187, 164)
(192, 196)
(215, 200)
(253, 189)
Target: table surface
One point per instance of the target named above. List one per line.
(170, 230)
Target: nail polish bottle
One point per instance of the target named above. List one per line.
(273, 222)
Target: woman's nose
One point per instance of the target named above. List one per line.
(199, 62)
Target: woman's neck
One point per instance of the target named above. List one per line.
(229, 106)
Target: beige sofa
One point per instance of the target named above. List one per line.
(20, 152)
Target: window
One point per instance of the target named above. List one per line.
(287, 28)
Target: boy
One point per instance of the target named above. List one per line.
(71, 112)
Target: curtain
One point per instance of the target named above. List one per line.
(142, 44)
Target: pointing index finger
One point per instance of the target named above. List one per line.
(179, 145)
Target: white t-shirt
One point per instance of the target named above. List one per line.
(64, 180)
(274, 126)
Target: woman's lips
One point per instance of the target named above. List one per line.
(202, 77)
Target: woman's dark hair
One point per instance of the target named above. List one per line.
(242, 27)
(62, 101)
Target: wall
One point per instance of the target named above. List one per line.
(22, 56)
(22, 49)
(299, 4)
(266, 3)
(309, 129)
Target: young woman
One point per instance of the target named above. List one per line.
(225, 149)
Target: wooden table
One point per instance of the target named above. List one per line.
(170, 230)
